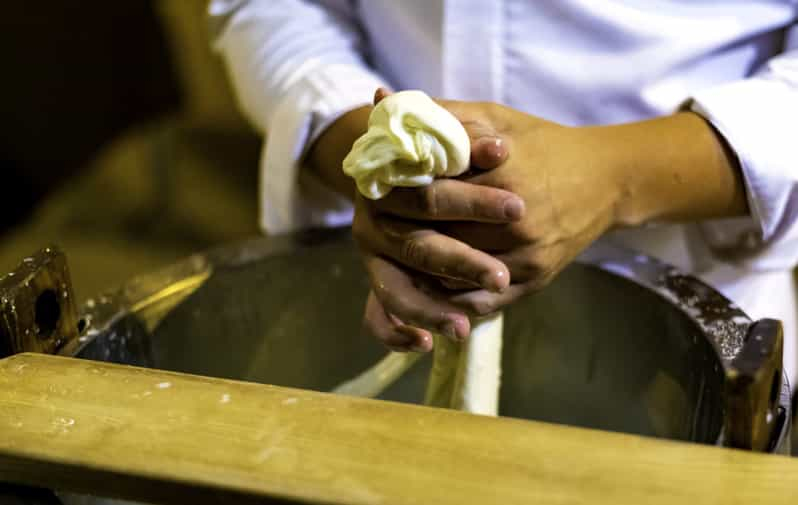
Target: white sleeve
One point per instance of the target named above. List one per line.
(758, 117)
(296, 66)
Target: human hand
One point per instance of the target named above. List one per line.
(492, 205)
(555, 226)
(389, 245)
(576, 184)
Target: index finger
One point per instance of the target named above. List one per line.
(453, 200)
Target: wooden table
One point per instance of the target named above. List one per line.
(173, 438)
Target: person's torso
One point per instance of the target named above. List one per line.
(573, 61)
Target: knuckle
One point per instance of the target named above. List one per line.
(412, 315)
(529, 268)
(492, 109)
(414, 311)
(524, 234)
(415, 252)
(486, 204)
(484, 308)
(479, 306)
(543, 278)
(428, 200)
(467, 204)
(534, 271)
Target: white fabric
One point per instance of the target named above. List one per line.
(297, 65)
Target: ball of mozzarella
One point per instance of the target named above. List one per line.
(410, 141)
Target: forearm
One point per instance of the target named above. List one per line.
(326, 155)
(673, 168)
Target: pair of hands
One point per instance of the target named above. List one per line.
(468, 246)
(538, 194)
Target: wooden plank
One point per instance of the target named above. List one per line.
(153, 435)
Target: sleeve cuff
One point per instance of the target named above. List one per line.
(292, 199)
(756, 117)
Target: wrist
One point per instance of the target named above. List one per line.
(325, 157)
(674, 168)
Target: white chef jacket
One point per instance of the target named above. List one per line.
(298, 65)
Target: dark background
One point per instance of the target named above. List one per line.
(76, 74)
(120, 140)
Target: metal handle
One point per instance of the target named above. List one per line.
(753, 386)
(37, 308)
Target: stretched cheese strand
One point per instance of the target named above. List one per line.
(442, 376)
(463, 376)
(476, 386)
(410, 141)
(378, 378)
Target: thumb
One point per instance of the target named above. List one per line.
(488, 148)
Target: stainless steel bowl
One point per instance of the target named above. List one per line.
(618, 342)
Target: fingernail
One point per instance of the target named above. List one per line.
(462, 330)
(456, 328)
(493, 281)
(449, 329)
(492, 150)
(424, 344)
(513, 209)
